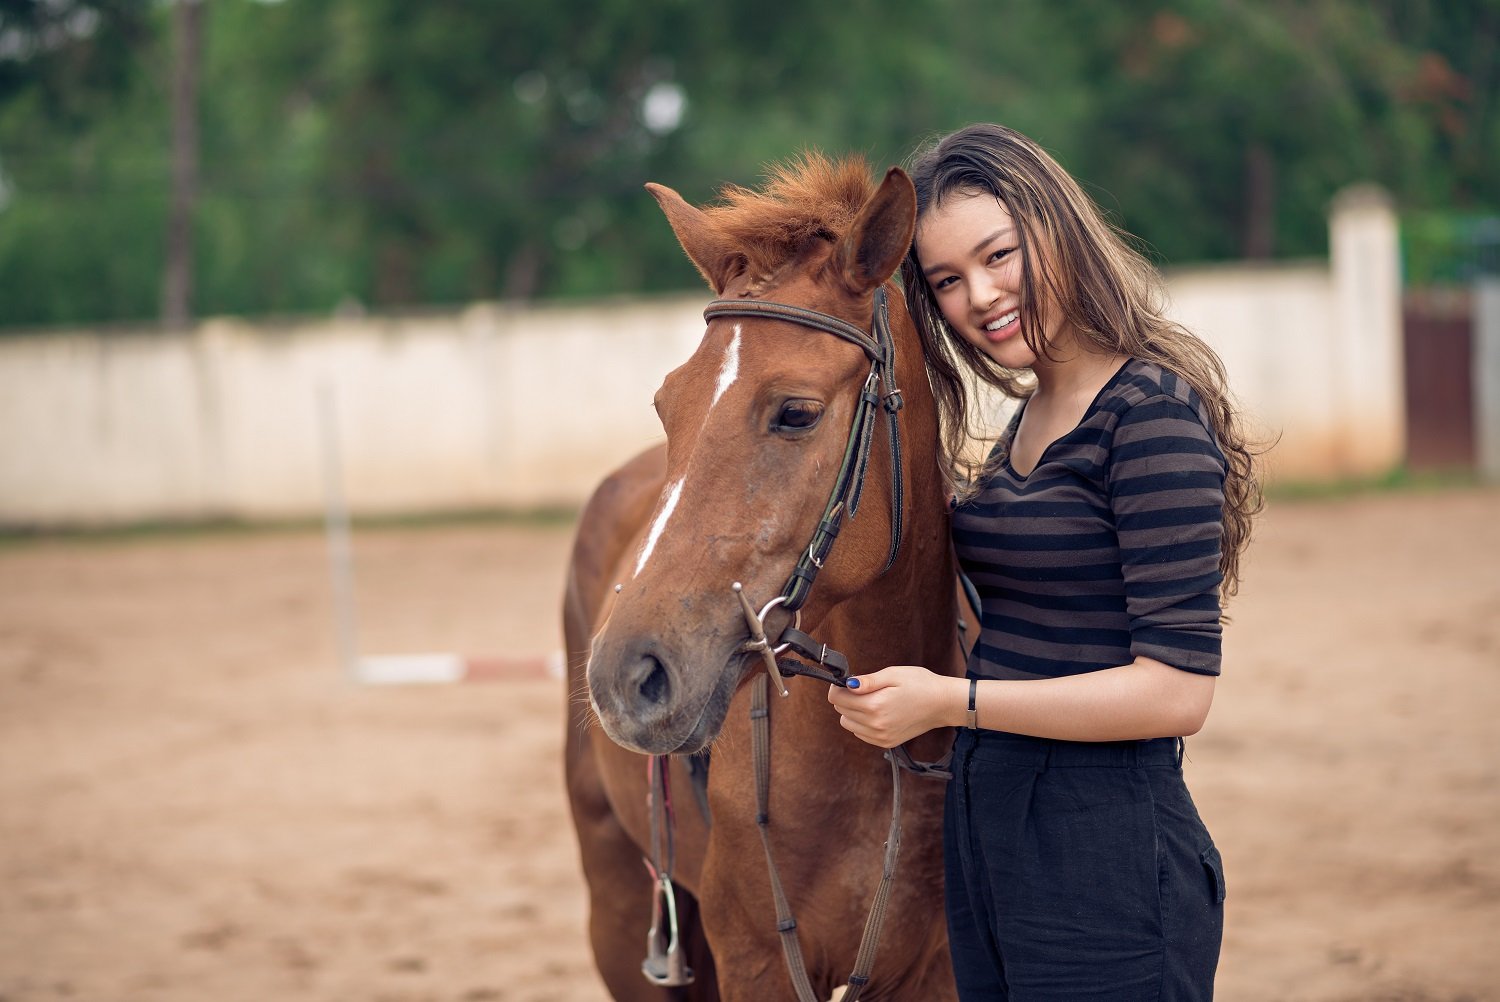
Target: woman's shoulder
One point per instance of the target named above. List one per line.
(1157, 421)
(1143, 389)
(1139, 380)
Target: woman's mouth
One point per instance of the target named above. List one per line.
(1003, 326)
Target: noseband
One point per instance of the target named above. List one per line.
(848, 486)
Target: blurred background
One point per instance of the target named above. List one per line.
(264, 262)
(386, 154)
(237, 235)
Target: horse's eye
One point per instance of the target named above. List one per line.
(798, 415)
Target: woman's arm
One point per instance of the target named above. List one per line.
(1144, 699)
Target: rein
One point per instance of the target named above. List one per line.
(786, 924)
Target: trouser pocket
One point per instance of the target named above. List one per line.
(1214, 865)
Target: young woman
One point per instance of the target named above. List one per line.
(1101, 531)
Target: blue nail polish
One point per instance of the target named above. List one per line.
(854, 683)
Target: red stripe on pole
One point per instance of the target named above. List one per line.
(446, 669)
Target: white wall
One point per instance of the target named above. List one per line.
(500, 406)
(1273, 327)
(488, 406)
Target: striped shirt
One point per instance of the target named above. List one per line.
(1109, 549)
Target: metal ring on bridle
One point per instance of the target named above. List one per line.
(758, 642)
(796, 620)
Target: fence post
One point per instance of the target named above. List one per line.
(1365, 259)
(1486, 374)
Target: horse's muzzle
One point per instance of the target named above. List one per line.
(643, 703)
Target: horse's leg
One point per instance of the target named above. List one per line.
(705, 986)
(620, 897)
(755, 971)
(619, 887)
(929, 978)
(743, 928)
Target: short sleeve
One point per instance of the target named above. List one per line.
(1166, 490)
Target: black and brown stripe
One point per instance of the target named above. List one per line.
(1109, 548)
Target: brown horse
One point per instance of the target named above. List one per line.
(757, 423)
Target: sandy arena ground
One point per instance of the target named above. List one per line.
(194, 805)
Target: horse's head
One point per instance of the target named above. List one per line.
(757, 423)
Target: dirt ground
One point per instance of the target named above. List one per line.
(195, 805)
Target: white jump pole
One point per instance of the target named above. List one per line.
(336, 523)
(388, 669)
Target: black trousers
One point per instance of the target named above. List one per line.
(1078, 871)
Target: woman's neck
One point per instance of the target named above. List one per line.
(1078, 369)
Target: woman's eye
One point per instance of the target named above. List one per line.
(1000, 254)
(798, 415)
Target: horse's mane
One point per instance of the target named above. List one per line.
(809, 197)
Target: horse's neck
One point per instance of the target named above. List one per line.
(899, 609)
(908, 615)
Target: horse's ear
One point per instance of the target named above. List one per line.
(706, 247)
(881, 235)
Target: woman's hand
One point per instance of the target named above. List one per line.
(897, 703)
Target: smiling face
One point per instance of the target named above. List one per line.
(969, 249)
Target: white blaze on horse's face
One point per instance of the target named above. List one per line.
(731, 370)
(672, 494)
(728, 373)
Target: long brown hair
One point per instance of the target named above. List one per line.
(1105, 288)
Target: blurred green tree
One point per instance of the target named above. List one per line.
(386, 154)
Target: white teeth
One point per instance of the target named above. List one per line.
(1005, 320)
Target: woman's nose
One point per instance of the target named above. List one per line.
(982, 292)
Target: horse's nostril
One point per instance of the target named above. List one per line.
(654, 686)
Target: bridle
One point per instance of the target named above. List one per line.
(664, 964)
(848, 487)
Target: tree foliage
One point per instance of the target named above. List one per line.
(396, 154)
